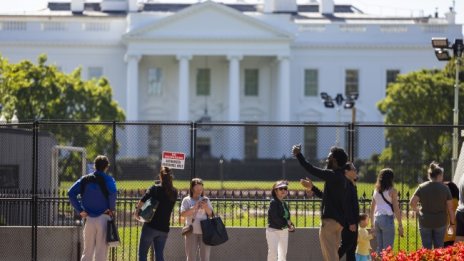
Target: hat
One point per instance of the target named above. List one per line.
(281, 184)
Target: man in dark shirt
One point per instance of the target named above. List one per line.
(350, 228)
(333, 200)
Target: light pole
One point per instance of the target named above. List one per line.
(442, 46)
(348, 102)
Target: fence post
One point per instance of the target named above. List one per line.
(35, 150)
(351, 141)
(193, 139)
(115, 169)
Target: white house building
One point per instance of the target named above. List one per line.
(239, 62)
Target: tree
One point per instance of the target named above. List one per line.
(42, 92)
(422, 97)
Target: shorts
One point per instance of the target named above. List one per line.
(459, 224)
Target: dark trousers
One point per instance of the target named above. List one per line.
(348, 244)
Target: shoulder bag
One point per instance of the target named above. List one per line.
(188, 229)
(148, 209)
(386, 201)
(214, 231)
(112, 235)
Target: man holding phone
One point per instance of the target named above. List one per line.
(333, 207)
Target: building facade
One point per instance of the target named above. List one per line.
(230, 62)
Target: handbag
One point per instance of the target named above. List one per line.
(147, 211)
(214, 231)
(187, 230)
(112, 235)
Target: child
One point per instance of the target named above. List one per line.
(364, 237)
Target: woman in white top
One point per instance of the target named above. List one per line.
(196, 207)
(383, 209)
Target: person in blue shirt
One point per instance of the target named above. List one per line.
(96, 205)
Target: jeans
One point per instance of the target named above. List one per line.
(363, 257)
(151, 236)
(433, 236)
(277, 244)
(384, 231)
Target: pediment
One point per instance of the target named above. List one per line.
(207, 20)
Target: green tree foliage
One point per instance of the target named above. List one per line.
(422, 97)
(42, 92)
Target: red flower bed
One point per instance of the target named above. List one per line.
(451, 253)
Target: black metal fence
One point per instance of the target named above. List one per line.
(40, 160)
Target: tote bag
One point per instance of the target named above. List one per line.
(214, 231)
(147, 211)
(112, 235)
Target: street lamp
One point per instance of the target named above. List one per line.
(441, 46)
(348, 102)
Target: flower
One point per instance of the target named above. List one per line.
(451, 253)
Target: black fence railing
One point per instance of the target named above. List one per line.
(40, 160)
(236, 210)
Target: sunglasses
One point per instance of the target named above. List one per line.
(283, 188)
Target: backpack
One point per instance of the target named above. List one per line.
(93, 178)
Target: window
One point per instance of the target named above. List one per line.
(251, 142)
(251, 82)
(94, 72)
(391, 76)
(203, 82)
(310, 141)
(311, 82)
(154, 140)
(203, 149)
(351, 82)
(154, 81)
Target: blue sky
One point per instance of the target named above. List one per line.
(381, 7)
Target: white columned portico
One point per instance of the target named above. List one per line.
(184, 95)
(283, 106)
(235, 135)
(132, 104)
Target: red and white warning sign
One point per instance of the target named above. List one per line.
(173, 160)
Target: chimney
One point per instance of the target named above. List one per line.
(133, 7)
(326, 7)
(77, 6)
(451, 16)
(280, 6)
(114, 5)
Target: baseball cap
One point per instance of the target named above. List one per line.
(281, 184)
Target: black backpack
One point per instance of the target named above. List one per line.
(94, 178)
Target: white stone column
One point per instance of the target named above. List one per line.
(132, 88)
(283, 106)
(234, 87)
(184, 95)
(283, 90)
(132, 105)
(235, 135)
